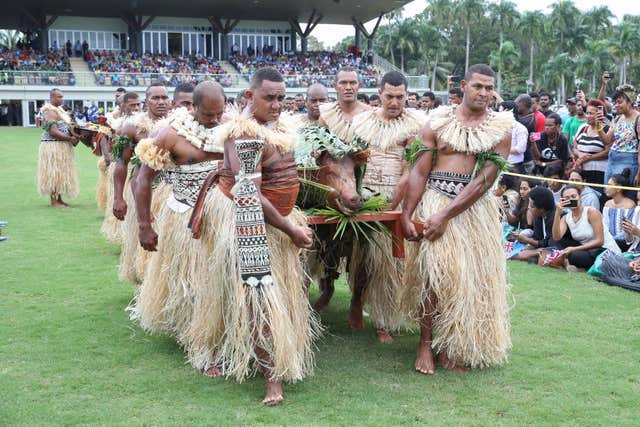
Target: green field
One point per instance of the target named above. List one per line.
(69, 354)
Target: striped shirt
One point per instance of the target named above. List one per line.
(591, 144)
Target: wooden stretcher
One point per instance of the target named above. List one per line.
(390, 219)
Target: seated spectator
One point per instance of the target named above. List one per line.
(522, 219)
(590, 149)
(618, 270)
(519, 139)
(555, 172)
(542, 209)
(507, 190)
(585, 227)
(618, 209)
(589, 196)
(552, 147)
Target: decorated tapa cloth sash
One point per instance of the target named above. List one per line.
(449, 184)
(63, 128)
(187, 180)
(251, 230)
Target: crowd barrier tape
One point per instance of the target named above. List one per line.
(564, 181)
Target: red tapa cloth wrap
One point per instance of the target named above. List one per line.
(279, 185)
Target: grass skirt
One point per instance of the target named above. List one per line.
(466, 270)
(57, 169)
(101, 186)
(164, 302)
(384, 280)
(384, 274)
(111, 227)
(133, 258)
(230, 321)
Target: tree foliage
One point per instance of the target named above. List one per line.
(552, 48)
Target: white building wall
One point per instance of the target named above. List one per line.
(84, 23)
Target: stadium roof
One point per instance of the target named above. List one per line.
(332, 11)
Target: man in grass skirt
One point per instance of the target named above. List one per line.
(57, 175)
(456, 271)
(375, 276)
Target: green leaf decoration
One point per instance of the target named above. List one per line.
(120, 142)
(413, 152)
(47, 125)
(482, 158)
(361, 230)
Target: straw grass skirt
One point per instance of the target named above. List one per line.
(111, 226)
(230, 321)
(384, 274)
(164, 301)
(466, 270)
(101, 186)
(133, 258)
(57, 172)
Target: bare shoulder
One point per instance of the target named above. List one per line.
(427, 135)
(593, 213)
(362, 107)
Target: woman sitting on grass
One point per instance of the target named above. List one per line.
(520, 217)
(588, 195)
(617, 208)
(541, 211)
(507, 189)
(585, 228)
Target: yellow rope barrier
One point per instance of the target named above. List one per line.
(564, 181)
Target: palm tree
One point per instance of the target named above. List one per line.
(627, 40)
(598, 19)
(507, 54)
(562, 20)
(407, 40)
(532, 25)
(596, 57)
(556, 71)
(504, 14)
(466, 10)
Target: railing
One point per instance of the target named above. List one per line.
(383, 64)
(91, 79)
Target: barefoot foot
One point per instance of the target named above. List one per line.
(444, 361)
(212, 372)
(274, 393)
(424, 359)
(57, 204)
(356, 320)
(384, 336)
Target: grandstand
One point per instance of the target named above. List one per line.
(89, 48)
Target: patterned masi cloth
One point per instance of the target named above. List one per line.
(251, 235)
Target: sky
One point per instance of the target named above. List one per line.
(332, 34)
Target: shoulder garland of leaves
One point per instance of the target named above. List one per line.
(482, 158)
(47, 125)
(413, 152)
(120, 142)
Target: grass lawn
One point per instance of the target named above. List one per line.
(69, 354)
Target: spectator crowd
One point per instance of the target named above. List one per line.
(128, 68)
(303, 70)
(53, 68)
